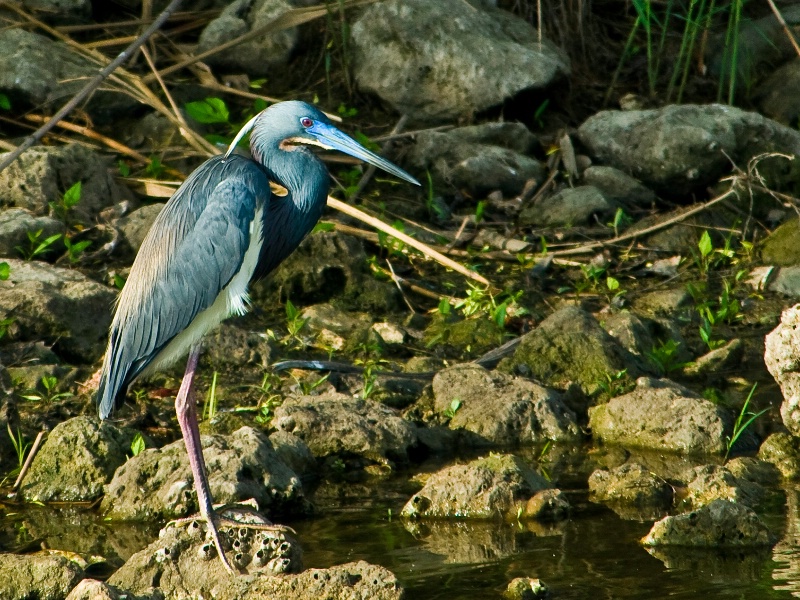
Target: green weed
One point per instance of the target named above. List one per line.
(5, 271)
(450, 411)
(76, 250)
(615, 384)
(744, 420)
(210, 402)
(137, 445)
(21, 448)
(50, 393)
(664, 356)
(37, 246)
(67, 202)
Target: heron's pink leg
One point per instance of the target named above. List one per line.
(186, 408)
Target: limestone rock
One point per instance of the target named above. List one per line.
(439, 61)
(500, 409)
(78, 458)
(134, 227)
(337, 425)
(43, 575)
(661, 415)
(485, 488)
(633, 486)
(157, 483)
(568, 207)
(720, 524)
(618, 187)
(16, 223)
(781, 349)
(60, 306)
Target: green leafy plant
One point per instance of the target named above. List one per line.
(724, 309)
(137, 444)
(20, 449)
(208, 111)
(124, 168)
(50, 393)
(36, 245)
(5, 325)
(5, 271)
(154, 168)
(67, 202)
(76, 250)
(450, 411)
(621, 219)
(5, 103)
(481, 300)
(744, 420)
(615, 384)
(295, 323)
(664, 356)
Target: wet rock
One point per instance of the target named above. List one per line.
(719, 524)
(78, 458)
(500, 409)
(16, 223)
(231, 348)
(632, 487)
(183, 563)
(696, 144)
(257, 56)
(783, 451)
(526, 588)
(664, 303)
(44, 576)
(570, 206)
(439, 61)
(661, 415)
(328, 266)
(752, 469)
(60, 306)
(547, 505)
(42, 175)
(777, 94)
(780, 247)
(781, 348)
(478, 161)
(158, 483)
(466, 335)
(60, 11)
(337, 425)
(35, 71)
(570, 346)
(618, 187)
(712, 482)
(495, 486)
(91, 589)
(294, 452)
(718, 362)
(134, 227)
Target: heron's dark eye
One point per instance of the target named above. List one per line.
(306, 122)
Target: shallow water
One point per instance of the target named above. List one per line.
(594, 554)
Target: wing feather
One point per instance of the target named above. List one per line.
(194, 248)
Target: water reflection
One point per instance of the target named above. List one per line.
(786, 552)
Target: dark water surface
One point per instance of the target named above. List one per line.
(593, 555)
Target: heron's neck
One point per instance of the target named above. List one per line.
(301, 173)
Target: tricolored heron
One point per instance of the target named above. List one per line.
(221, 229)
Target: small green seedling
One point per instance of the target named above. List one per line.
(36, 245)
(76, 250)
(455, 405)
(50, 385)
(743, 421)
(210, 403)
(68, 201)
(5, 271)
(138, 445)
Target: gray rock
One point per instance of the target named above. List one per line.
(712, 482)
(60, 11)
(158, 483)
(255, 57)
(477, 161)
(661, 415)
(526, 588)
(344, 323)
(134, 227)
(231, 348)
(492, 487)
(77, 460)
(777, 95)
(781, 348)
(44, 173)
(680, 148)
(337, 425)
(325, 266)
(91, 589)
(500, 409)
(720, 524)
(665, 303)
(61, 306)
(783, 451)
(780, 247)
(570, 206)
(631, 331)
(570, 346)
(35, 70)
(634, 487)
(546, 505)
(43, 576)
(294, 452)
(786, 281)
(443, 60)
(618, 187)
(713, 365)
(16, 223)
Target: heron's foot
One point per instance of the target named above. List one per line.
(252, 545)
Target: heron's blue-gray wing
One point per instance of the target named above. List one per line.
(194, 249)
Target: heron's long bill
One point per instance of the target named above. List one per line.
(333, 139)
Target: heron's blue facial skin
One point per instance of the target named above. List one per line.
(328, 136)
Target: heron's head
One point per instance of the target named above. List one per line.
(287, 126)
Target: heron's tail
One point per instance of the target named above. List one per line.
(113, 379)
